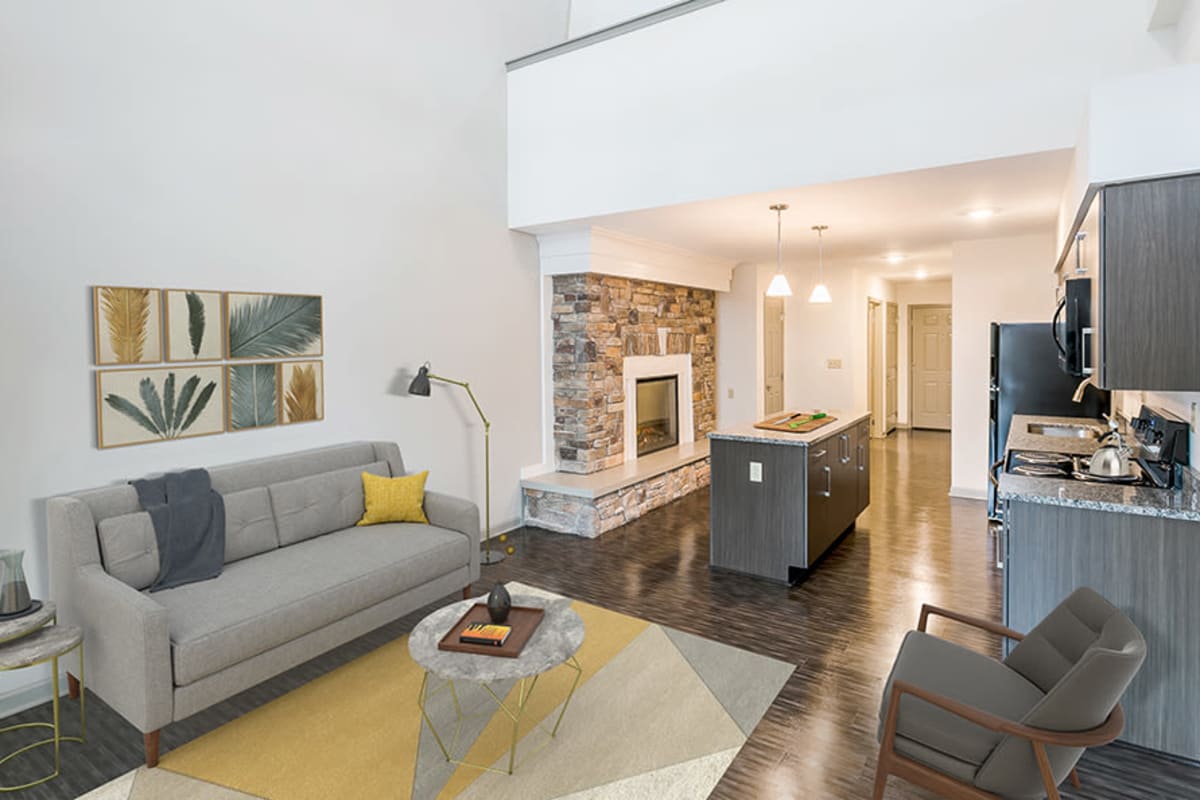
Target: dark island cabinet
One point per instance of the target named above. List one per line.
(777, 505)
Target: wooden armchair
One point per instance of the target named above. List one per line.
(967, 726)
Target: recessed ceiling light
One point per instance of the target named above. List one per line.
(981, 213)
(922, 274)
(894, 258)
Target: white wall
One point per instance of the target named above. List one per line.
(995, 280)
(592, 15)
(358, 154)
(740, 346)
(913, 293)
(1187, 42)
(675, 112)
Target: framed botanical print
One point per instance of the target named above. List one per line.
(303, 389)
(126, 325)
(194, 325)
(273, 325)
(253, 396)
(136, 406)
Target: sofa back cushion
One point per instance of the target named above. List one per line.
(129, 549)
(249, 524)
(317, 504)
(291, 466)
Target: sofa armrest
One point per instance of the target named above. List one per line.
(456, 514)
(128, 647)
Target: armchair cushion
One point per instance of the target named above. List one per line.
(960, 674)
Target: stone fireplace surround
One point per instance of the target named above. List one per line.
(607, 332)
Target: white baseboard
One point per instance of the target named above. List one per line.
(33, 694)
(966, 493)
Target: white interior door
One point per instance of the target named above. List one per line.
(772, 355)
(891, 368)
(930, 377)
(873, 397)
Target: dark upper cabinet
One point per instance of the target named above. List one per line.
(1141, 244)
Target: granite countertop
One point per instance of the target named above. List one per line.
(746, 432)
(1142, 500)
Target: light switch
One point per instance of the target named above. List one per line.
(833, 363)
(756, 472)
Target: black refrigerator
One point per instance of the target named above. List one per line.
(1026, 379)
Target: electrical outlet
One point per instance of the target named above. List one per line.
(833, 363)
(730, 392)
(756, 472)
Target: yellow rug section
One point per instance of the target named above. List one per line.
(359, 726)
(606, 634)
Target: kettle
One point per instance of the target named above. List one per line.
(1112, 459)
(14, 591)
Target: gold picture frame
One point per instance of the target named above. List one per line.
(252, 400)
(301, 392)
(271, 325)
(142, 405)
(126, 325)
(193, 325)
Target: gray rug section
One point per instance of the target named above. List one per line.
(433, 770)
(744, 683)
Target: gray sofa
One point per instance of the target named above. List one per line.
(299, 579)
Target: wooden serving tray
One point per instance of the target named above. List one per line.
(794, 423)
(523, 619)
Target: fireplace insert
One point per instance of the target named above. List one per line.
(657, 405)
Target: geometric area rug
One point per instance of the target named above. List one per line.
(658, 713)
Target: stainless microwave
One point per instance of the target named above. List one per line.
(1072, 328)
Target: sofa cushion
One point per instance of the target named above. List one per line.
(249, 524)
(129, 549)
(317, 504)
(947, 669)
(261, 602)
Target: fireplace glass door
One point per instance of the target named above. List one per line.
(657, 413)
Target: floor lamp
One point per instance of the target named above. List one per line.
(420, 387)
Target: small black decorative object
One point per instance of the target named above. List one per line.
(499, 604)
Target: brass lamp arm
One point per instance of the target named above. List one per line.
(470, 394)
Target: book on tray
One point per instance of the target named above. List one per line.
(485, 633)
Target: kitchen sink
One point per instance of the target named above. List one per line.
(1065, 430)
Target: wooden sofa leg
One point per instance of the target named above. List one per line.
(151, 742)
(72, 686)
(466, 593)
(1075, 779)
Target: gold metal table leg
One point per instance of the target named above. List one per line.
(57, 738)
(525, 687)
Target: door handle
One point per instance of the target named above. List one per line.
(828, 482)
(861, 466)
(818, 454)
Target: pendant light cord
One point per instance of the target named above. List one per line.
(779, 240)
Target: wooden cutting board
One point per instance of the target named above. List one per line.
(794, 423)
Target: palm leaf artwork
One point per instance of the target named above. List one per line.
(274, 325)
(301, 398)
(168, 416)
(252, 389)
(126, 316)
(195, 321)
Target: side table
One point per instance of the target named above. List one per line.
(37, 639)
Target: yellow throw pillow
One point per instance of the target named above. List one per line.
(394, 499)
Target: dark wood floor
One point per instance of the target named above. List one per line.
(913, 545)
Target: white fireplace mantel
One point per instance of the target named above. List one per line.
(634, 368)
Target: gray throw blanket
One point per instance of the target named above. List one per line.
(189, 525)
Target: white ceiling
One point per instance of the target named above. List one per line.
(915, 213)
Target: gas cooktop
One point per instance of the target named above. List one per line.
(1036, 464)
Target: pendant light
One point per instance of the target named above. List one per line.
(820, 292)
(779, 284)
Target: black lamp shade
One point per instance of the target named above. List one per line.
(420, 384)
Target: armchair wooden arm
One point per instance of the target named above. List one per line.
(928, 611)
(891, 762)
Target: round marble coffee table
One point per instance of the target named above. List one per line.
(36, 639)
(555, 642)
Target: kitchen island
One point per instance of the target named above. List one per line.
(1136, 545)
(779, 500)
